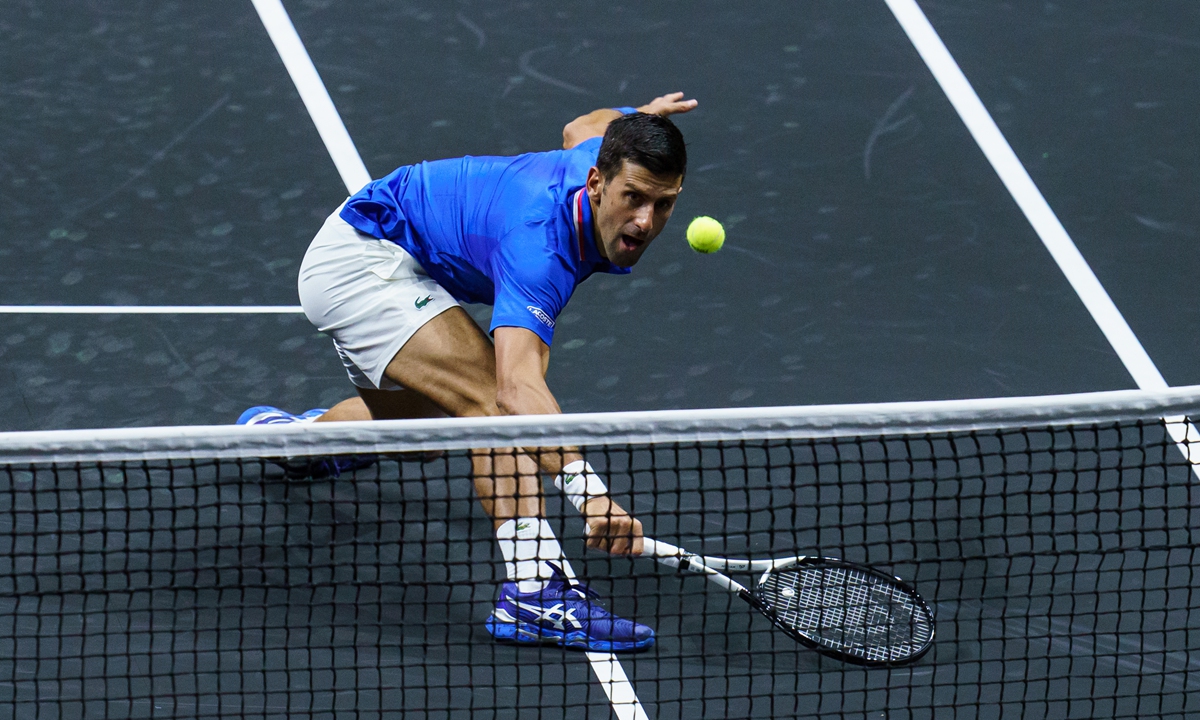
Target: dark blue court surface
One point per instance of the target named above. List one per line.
(157, 153)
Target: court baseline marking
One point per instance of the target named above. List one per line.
(354, 174)
(1039, 214)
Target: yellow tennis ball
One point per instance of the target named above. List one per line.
(705, 235)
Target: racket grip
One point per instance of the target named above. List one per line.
(659, 549)
(666, 553)
(684, 561)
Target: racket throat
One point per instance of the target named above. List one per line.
(753, 600)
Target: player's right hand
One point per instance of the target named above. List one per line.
(669, 104)
(611, 529)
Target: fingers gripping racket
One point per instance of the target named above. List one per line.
(847, 611)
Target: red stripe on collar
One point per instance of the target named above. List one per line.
(579, 223)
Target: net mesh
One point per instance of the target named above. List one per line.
(199, 580)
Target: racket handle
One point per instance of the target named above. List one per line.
(671, 556)
(684, 561)
(659, 549)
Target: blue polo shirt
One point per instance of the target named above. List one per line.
(513, 232)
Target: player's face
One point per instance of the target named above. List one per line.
(630, 210)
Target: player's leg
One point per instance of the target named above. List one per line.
(451, 361)
(456, 386)
(350, 409)
(394, 327)
(382, 405)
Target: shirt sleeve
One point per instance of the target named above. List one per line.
(533, 283)
(589, 148)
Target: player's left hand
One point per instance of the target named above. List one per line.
(611, 529)
(669, 104)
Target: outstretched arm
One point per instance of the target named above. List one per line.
(594, 123)
(521, 362)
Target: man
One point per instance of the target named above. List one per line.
(386, 273)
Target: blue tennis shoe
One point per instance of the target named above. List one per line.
(565, 613)
(317, 468)
(267, 415)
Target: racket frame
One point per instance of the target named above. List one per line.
(919, 602)
(711, 567)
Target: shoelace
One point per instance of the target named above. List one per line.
(584, 592)
(573, 585)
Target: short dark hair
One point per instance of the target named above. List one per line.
(650, 141)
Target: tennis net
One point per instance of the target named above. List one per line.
(180, 572)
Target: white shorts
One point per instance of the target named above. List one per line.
(369, 295)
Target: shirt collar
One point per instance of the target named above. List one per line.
(585, 235)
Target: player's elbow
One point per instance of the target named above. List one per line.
(573, 133)
(584, 127)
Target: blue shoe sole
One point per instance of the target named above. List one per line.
(526, 634)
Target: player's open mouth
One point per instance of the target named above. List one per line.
(630, 243)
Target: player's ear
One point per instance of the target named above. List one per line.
(595, 181)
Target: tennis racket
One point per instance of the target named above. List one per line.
(846, 611)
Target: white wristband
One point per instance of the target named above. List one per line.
(580, 483)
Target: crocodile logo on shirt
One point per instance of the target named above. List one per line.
(540, 314)
(422, 302)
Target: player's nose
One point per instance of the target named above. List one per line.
(644, 219)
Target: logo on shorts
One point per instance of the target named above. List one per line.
(540, 314)
(422, 302)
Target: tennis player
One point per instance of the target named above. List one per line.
(385, 277)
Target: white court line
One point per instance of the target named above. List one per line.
(312, 91)
(331, 129)
(616, 685)
(150, 309)
(354, 174)
(1054, 236)
(1022, 188)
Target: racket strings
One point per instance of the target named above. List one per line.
(848, 610)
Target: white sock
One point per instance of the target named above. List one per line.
(527, 544)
